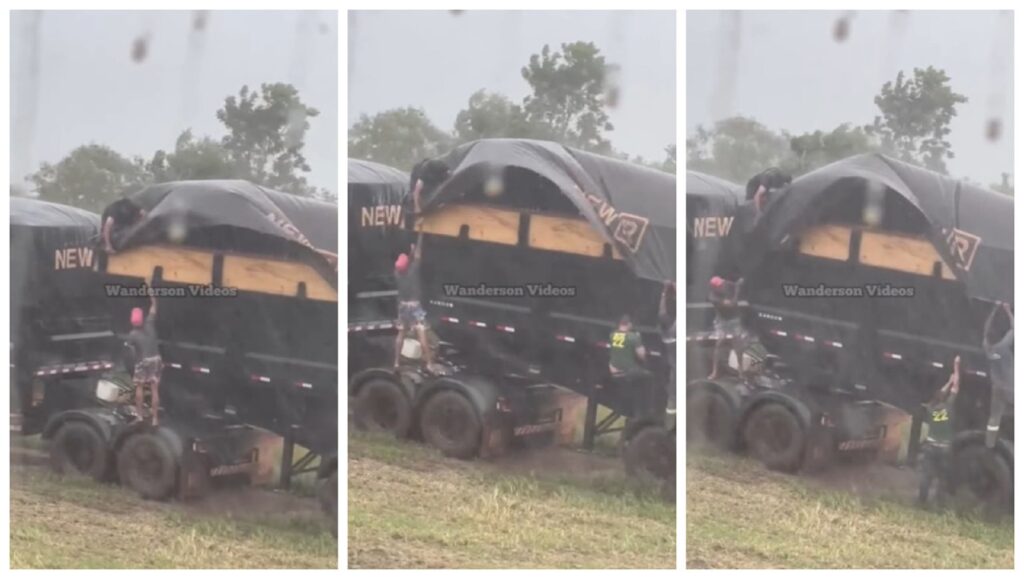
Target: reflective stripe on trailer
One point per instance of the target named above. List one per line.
(533, 428)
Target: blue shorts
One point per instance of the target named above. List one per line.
(410, 315)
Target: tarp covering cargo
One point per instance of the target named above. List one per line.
(375, 223)
(633, 207)
(237, 216)
(51, 251)
(711, 205)
(970, 227)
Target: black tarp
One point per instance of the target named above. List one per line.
(631, 205)
(971, 227)
(234, 215)
(711, 207)
(39, 231)
(375, 222)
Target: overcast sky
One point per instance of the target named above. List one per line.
(790, 73)
(91, 90)
(436, 60)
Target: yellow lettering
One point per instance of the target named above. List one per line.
(618, 340)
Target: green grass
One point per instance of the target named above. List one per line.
(76, 523)
(411, 508)
(738, 515)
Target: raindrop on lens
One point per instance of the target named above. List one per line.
(494, 186)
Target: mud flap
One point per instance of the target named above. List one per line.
(494, 438)
(193, 476)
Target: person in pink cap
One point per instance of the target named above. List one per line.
(411, 315)
(148, 365)
(724, 296)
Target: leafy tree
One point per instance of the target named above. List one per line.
(193, 158)
(91, 177)
(569, 95)
(397, 137)
(669, 165)
(813, 150)
(266, 134)
(1006, 186)
(915, 117)
(491, 115)
(735, 149)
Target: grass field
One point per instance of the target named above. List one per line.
(738, 515)
(78, 523)
(411, 508)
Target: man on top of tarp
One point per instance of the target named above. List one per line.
(116, 219)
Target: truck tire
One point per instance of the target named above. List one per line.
(450, 423)
(382, 406)
(649, 454)
(710, 419)
(78, 448)
(147, 465)
(986, 475)
(773, 434)
(328, 496)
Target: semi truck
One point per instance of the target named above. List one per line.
(531, 253)
(245, 281)
(863, 280)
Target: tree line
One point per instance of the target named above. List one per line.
(912, 124)
(571, 90)
(264, 141)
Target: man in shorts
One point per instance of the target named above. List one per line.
(724, 296)
(148, 365)
(1000, 362)
(410, 309)
(667, 326)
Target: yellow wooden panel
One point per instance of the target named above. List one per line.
(566, 235)
(485, 223)
(180, 265)
(901, 252)
(275, 277)
(827, 241)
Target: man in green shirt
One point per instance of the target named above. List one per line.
(625, 362)
(935, 448)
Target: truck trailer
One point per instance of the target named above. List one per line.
(531, 253)
(863, 280)
(246, 288)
